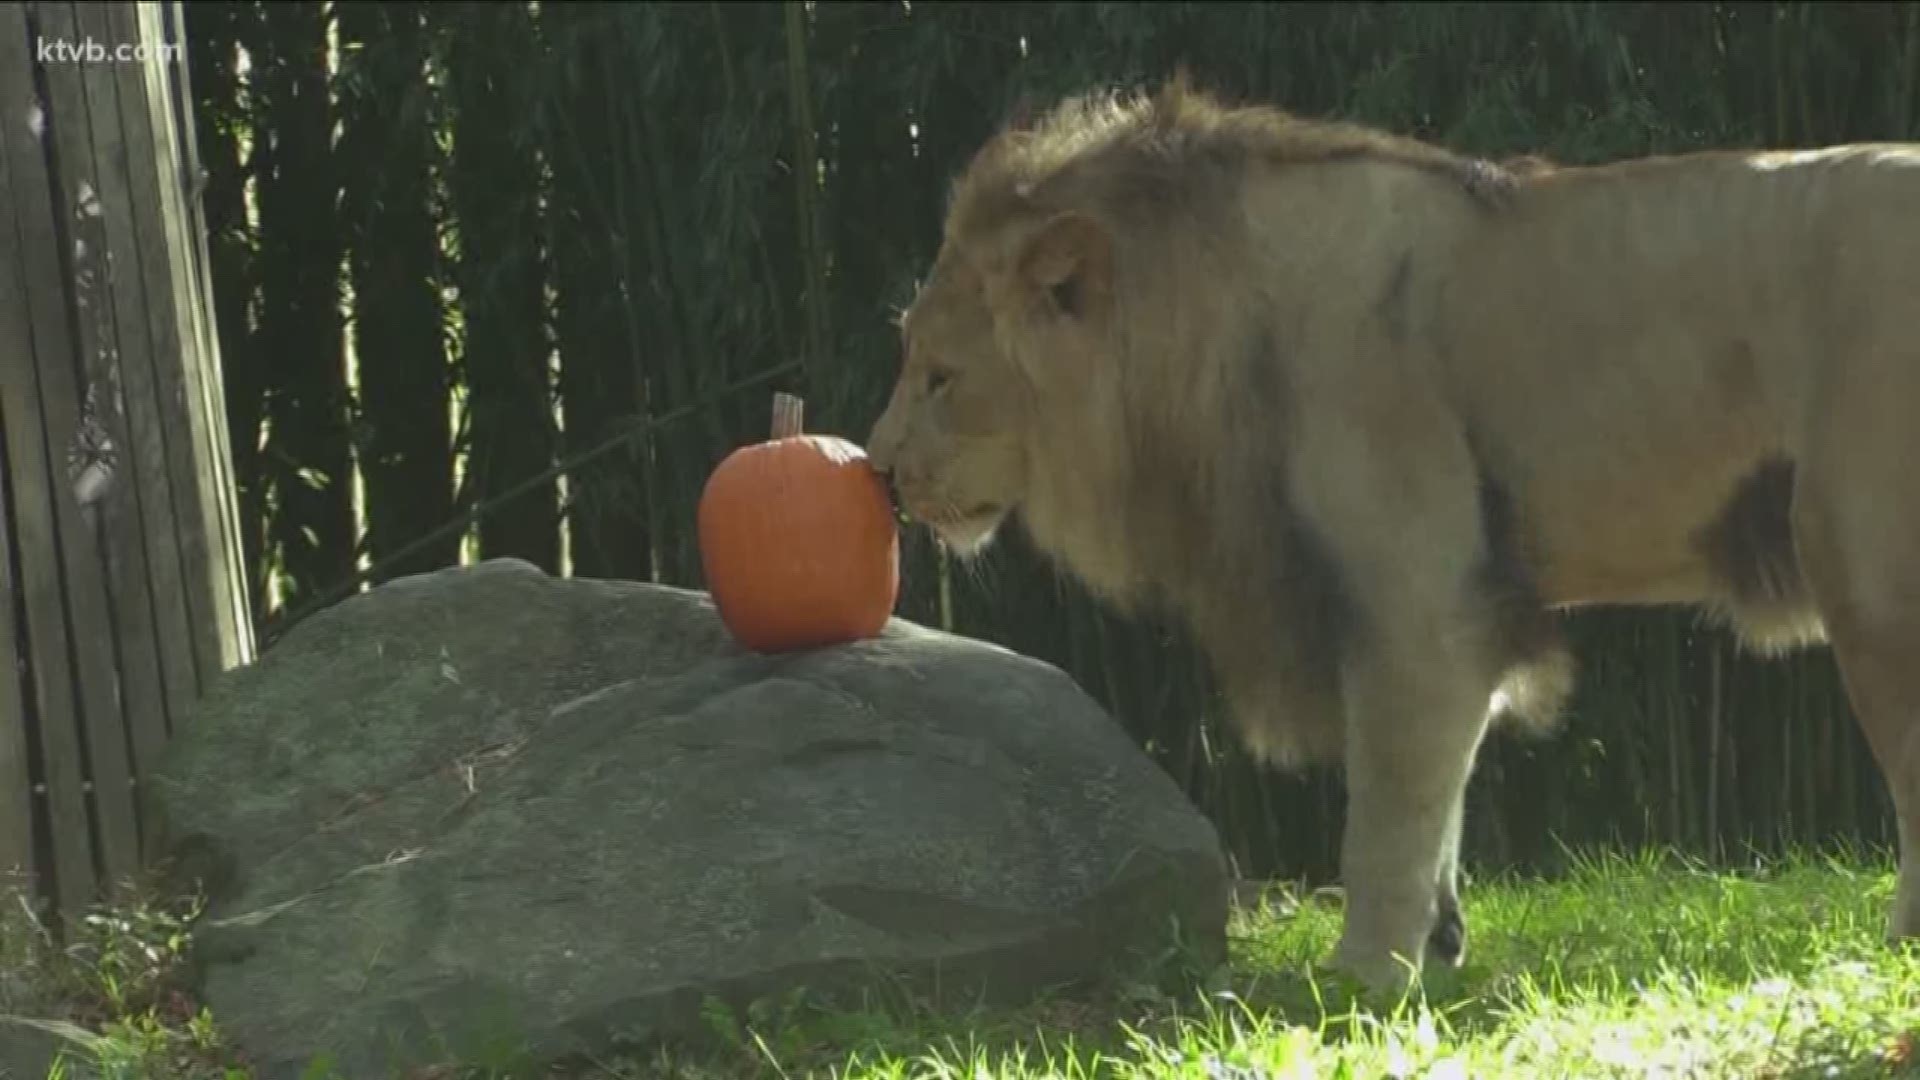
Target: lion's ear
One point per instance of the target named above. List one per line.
(1066, 265)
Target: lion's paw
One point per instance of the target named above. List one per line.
(1383, 974)
(1447, 941)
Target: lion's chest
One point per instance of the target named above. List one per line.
(1089, 548)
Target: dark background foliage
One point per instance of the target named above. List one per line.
(458, 244)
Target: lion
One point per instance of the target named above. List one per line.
(1368, 417)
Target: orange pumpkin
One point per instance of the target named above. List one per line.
(798, 540)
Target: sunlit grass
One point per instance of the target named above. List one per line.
(1641, 966)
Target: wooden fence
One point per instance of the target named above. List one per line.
(118, 568)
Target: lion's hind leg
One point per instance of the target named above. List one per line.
(1856, 531)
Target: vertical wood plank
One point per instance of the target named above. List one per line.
(209, 527)
(55, 289)
(167, 493)
(17, 810)
(29, 208)
(16, 768)
(148, 606)
(177, 606)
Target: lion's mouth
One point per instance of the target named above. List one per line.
(964, 527)
(976, 514)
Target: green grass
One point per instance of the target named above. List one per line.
(1641, 966)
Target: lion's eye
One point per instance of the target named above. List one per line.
(1066, 297)
(938, 381)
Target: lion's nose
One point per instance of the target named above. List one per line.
(883, 444)
(880, 457)
(889, 479)
(885, 464)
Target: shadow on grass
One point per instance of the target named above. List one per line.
(1625, 965)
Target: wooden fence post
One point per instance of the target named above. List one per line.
(121, 594)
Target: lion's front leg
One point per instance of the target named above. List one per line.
(1385, 477)
(1415, 717)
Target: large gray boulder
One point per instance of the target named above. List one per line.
(487, 815)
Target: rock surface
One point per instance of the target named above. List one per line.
(490, 816)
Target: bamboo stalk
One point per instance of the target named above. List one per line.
(805, 180)
(1676, 747)
(1909, 78)
(946, 588)
(730, 85)
(1715, 723)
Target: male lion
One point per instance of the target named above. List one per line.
(1365, 414)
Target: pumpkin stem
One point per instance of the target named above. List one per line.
(787, 410)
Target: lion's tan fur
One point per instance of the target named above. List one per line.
(1364, 413)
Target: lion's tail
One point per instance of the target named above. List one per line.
(1534, 694)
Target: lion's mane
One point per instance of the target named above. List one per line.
(1165, 487)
